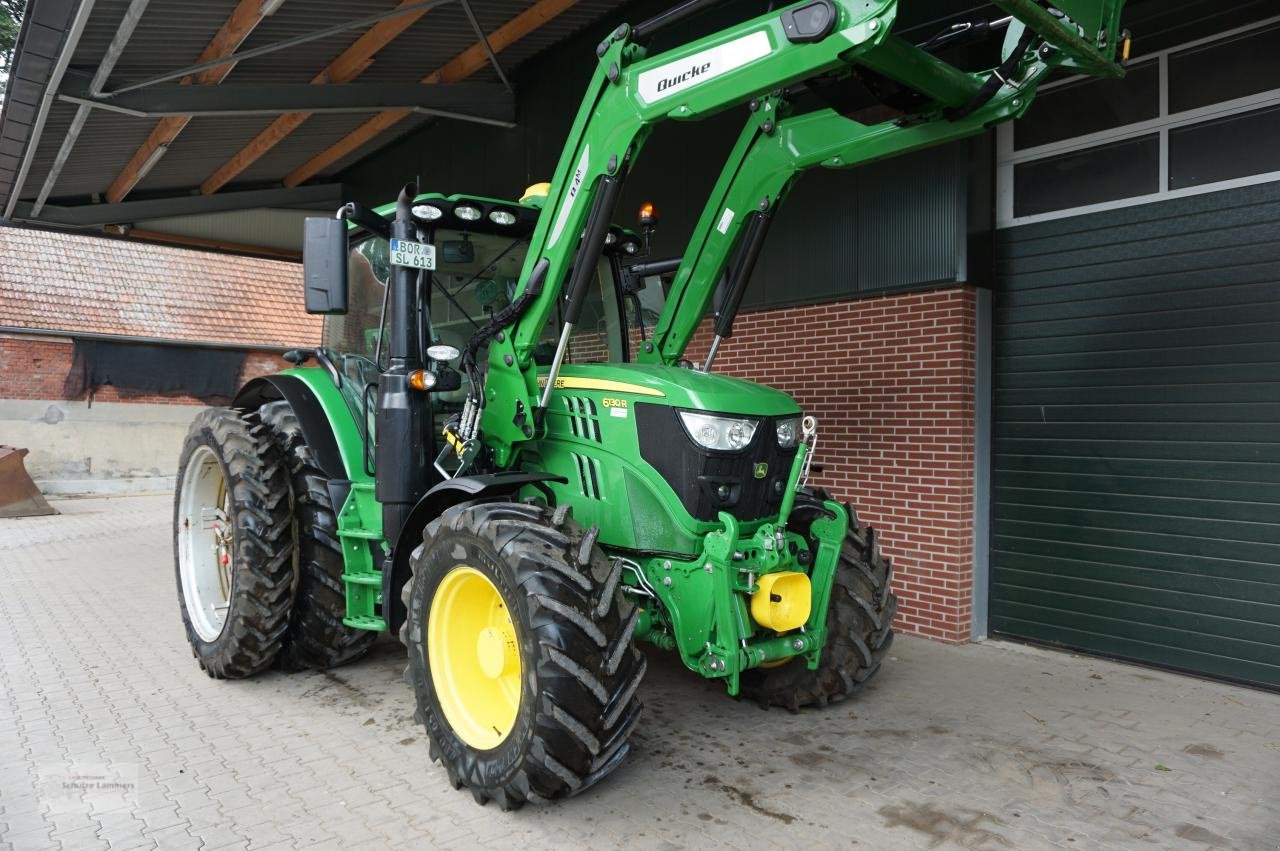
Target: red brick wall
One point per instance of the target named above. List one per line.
(891, 381)
(32, 368)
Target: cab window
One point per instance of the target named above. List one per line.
(352, 339)
(357, 332)
(476, 274)
(597, 337)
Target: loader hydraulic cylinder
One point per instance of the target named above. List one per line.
(739, 276)
(584, 271)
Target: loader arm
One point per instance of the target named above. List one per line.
(628, 95)
(775, 148)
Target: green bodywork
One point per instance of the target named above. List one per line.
(692, 579)
(360, 516)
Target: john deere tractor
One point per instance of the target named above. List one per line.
(502, 453)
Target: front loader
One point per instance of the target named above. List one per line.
(501, 452)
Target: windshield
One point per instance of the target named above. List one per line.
(476, 274)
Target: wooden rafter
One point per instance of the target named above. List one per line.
(202, 243)
(460, 67)
(346, 67)
(242, 21)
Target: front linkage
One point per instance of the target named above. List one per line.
(746, 600)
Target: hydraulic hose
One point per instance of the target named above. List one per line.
(996, 80)
(507, 315)
(672, 16)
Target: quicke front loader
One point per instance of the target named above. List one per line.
(500, 452)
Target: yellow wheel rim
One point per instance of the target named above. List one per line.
(474, 655)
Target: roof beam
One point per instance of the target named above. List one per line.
(276, 46)
(201, 243)
(320, 196)
(484, 42)
(459, 68)
(243, 20)
(124, 32)
(485, 102)
(346, 67)
(69, 43)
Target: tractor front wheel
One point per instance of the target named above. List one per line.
(859, 624)
(521, 654)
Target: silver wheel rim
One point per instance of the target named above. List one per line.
(206, 543)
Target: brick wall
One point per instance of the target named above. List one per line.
(36, 368)
(891, 381)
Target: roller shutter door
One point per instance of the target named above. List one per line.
(1136, 447)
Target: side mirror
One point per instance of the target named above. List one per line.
(324, 264)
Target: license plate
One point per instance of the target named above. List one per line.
(415, 255)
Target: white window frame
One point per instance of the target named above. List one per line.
(1007, 157)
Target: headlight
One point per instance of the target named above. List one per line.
(502, 217)
(788, 432)
(722, 433)
(467, 213)
(430, 212)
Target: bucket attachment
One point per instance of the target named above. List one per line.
(19, 496)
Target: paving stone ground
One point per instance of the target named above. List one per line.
(110, 736)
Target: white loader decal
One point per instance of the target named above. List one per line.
(673, 77)
(579, 174)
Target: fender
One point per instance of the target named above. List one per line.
(434, 502)
(327, 424)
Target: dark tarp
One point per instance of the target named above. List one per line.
(142, 369)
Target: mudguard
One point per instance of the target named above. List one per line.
(433, 503)
(327, 424)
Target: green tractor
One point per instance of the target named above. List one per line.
(502, 454)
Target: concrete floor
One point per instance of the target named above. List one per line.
(983, 746)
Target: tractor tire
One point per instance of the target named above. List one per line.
(317, 637)
(859, 623)
(563, 683)
(233, 552)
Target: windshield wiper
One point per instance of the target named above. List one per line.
(445, 290)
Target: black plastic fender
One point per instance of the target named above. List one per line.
(433, 503)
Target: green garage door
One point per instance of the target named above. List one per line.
(1136, 453)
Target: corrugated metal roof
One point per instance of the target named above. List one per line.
(171, 35)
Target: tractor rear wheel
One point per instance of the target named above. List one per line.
(231, 542)
(317, 637)
(521, 654)
(859, 623)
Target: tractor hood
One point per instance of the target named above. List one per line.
(677, 387)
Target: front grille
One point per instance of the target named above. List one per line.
(696, 474)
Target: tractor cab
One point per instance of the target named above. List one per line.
(478, 248)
